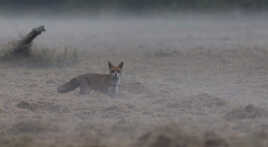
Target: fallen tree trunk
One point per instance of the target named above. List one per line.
(24, 45)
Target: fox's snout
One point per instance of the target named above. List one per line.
(116, 75)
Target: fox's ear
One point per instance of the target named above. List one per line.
(110, 64)
(121, 65)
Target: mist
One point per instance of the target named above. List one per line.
(144, 32)
(190, 77)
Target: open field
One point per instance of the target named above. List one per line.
(185, 77)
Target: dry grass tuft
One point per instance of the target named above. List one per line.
(40, 57)
(160, 137)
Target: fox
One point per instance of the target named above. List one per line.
(105, 83)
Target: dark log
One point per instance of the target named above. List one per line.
(24, 45)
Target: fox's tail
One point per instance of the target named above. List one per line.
(69, 86)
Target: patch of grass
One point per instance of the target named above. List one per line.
(167, 136)
(40, 57)
(11, 141)
(48, 57)
(164, 53)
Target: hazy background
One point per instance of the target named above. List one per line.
(139, 5)
(192, 68)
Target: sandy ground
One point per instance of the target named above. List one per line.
(202, 72)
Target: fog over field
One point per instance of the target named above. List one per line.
(195, 72)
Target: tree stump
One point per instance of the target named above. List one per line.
(24, 45)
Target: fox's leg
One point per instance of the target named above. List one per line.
(84, 88)
(113, 91)
(116, 90)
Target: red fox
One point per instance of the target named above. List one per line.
(106, 83)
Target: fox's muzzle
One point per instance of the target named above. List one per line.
(116, 75)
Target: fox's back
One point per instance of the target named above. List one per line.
(97, 81)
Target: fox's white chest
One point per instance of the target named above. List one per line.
(115, 87)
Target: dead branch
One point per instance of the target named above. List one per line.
(24, 45)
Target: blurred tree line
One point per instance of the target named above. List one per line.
(141, 4)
